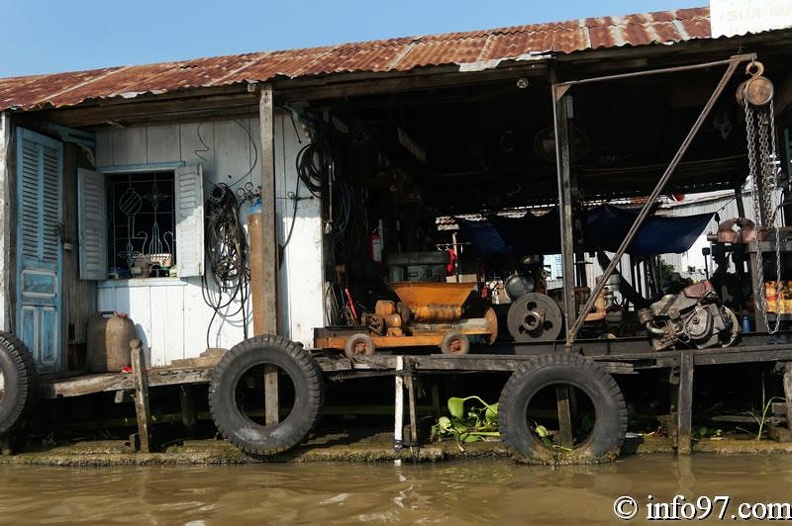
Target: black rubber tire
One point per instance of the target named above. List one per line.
(455, 343)
(291, 359)
(359, 342)
(20, 383)
(604, 441)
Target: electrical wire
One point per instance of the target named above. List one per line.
(255, 154)
(225, 250)
(313, 168)
(205, 147)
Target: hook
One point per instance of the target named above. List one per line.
(754, 68)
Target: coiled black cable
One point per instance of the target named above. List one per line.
(313, 168)
(225, 249)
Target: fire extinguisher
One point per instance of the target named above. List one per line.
(375, 246)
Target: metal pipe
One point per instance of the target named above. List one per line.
(398, 424)
(733, 63)
(738, 58)
(564, 196)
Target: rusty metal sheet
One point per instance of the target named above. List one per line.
(483, 48)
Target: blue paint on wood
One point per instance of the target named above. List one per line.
(39, 251)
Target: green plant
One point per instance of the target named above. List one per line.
(763, 417)
(471, 425)
(547, 438)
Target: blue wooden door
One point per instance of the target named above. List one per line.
(39, 208)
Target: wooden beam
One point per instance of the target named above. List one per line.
(189, 415)
(151, 110)
(410, 381)
(685, 404)
(357, 84)
(564, 408)
(140, 379)
(788, 393)
(269, 237)
(271, 401)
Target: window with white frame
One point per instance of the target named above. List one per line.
(141, 223)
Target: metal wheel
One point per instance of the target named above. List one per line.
(734, 330)
(359, 344)
(534, 317)
(455, 343)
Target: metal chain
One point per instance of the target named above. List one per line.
(764, 200)
(760, 298)
(770, 183)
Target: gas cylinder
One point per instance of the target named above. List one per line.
(109, 335)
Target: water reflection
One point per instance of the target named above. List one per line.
(458, 493)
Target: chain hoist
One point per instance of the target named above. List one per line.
(756, 97)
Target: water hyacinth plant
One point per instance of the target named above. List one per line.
(467, 425)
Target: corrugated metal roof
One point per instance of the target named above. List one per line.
(468, 50)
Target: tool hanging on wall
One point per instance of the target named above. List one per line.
(755, 95)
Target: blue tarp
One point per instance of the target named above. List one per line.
(604, 228)
(607, 226)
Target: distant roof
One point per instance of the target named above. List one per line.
(469, 50)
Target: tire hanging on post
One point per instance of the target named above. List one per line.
(521, 434)
(18, 383)
(241, 365)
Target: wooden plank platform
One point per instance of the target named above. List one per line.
(627, 357)
(107, 382)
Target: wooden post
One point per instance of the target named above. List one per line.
(685, 403)
(264, 272)
(436, 411)
(788, 392)
(140, 381)
(564, 408)
(410, 381)
(271, 416)
(5, 445)
(188, 413)
(267, 301)
(257, 266)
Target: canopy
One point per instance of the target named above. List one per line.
(604, 228)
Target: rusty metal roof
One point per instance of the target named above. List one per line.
(468, 50)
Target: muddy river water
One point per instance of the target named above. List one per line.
(454, 493)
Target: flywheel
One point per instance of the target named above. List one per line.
(534, 317)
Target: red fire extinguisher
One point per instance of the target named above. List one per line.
(375, 246)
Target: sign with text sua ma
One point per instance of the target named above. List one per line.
(738, 17)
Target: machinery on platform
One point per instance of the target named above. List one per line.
(694, 317)
(428, 314)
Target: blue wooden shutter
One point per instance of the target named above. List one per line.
(39, 206)
(189, 220)
(92, 224)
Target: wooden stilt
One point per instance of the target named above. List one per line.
(142, 410)
(5, 445)
(436, 411)
(673, 412)
(788, 393)
(564, 408)
(271, 416)
(685, 404)
(410, 381)
(189, 415)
